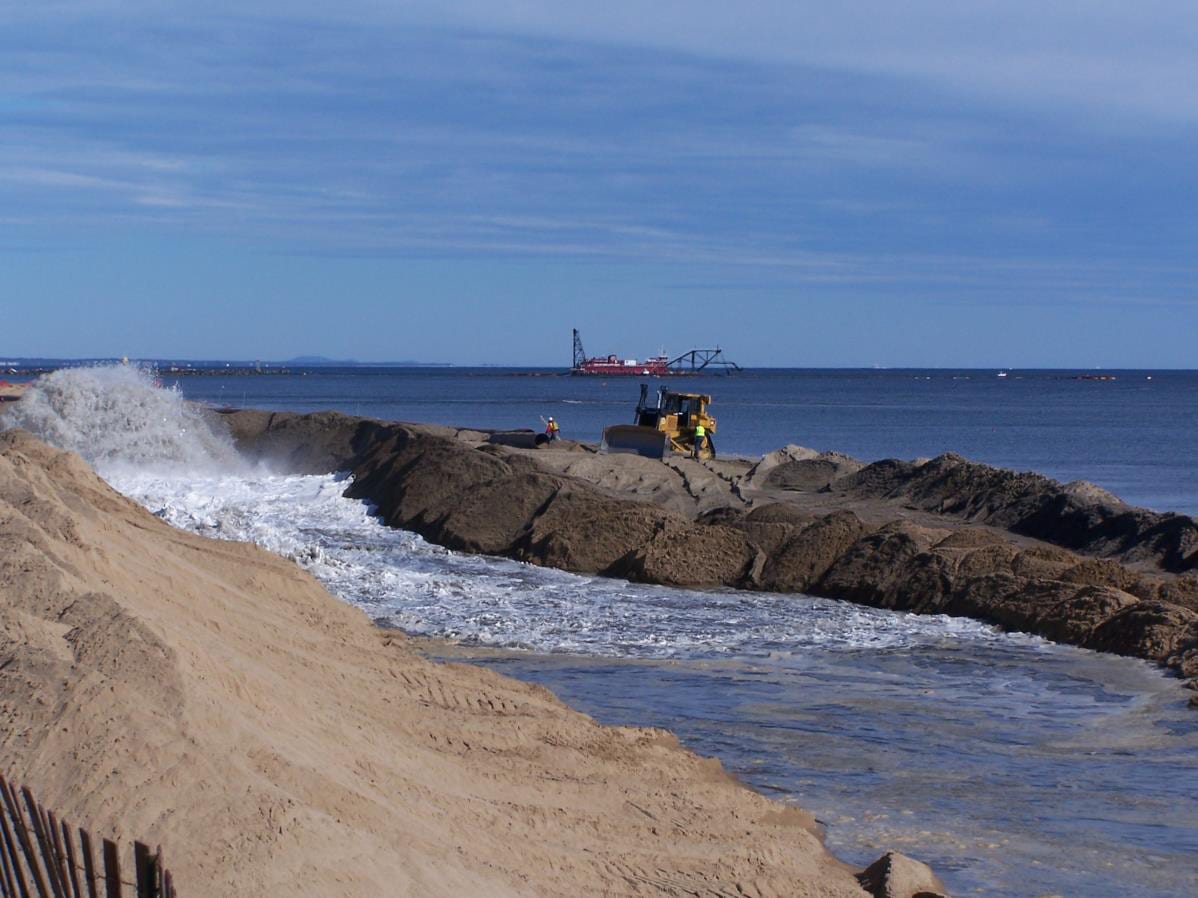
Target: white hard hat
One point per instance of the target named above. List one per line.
(551, 417)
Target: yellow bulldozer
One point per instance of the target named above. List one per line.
(667, 426)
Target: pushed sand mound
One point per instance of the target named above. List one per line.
(940, 536)
(213, 698)
(1077, 515)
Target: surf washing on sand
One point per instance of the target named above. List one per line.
(1008, 763)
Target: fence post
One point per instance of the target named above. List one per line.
(112, 869)
(89, 862)
(18, 822)
(147, 872)
(60, 856)
(53, 864)
(12, 859)
(39, 830)
(72, 864)
(8, 886)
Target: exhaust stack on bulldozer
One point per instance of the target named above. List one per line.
(667, 426)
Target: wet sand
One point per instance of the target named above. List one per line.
(1014, 770)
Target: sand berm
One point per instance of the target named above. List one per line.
(214, 698)
(1070, 562)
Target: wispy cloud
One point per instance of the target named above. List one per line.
(1097, 58)
(930, 146)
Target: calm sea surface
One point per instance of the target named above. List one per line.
(1135, 435)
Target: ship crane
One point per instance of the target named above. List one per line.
(580, 355)
(693, 361)
(698, 359)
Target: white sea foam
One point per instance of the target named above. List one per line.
(117, 418)
(153, 446)
(400, 578)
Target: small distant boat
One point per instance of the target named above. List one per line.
(1002, 373)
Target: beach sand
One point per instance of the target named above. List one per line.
(214, 698)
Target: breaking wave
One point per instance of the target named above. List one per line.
(118, 418)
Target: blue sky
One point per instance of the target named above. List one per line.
(924, 183)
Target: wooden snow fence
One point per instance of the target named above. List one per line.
(44, 857)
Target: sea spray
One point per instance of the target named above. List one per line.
(118, 418)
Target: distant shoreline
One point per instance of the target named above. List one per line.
(35, 365)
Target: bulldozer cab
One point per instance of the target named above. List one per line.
(684, 406)
(688, 407)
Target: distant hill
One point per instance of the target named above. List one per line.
(317, 360)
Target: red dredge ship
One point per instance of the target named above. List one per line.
(657, 366)
(613, 365)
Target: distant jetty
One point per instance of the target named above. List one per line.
(228, 371)
(204, 370)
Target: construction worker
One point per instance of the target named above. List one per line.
(699, 440)
(551, 429)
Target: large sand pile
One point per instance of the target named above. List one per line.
(214, 698)
(941, 536)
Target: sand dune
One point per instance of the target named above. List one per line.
(214, 698)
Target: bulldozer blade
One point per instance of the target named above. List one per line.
(647, 441)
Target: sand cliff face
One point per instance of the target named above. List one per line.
(214, 698)
(1067, 562)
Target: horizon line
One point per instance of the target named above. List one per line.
(49, 361)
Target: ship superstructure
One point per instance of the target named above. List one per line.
(661, 365)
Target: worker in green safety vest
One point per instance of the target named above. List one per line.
(699, 440)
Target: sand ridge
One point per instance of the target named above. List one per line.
(946, 535)
(213, 698)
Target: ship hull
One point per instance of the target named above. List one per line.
(618, 370)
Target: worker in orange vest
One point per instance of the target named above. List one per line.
(551, 429)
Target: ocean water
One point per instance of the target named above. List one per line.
(1134, 435)
(1015, 766)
